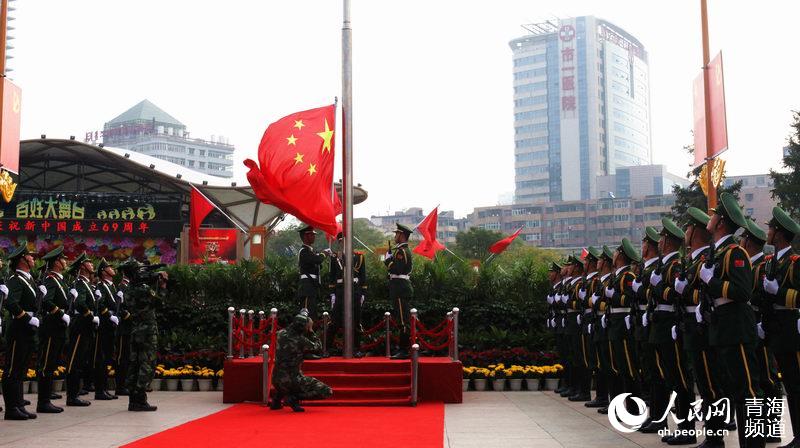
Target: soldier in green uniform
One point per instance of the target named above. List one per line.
(753, 240)
(81, 329)
(123, 337)
(559, 322)
(399, 263)
(554, 276)
(290, 384)
(580, 378)
(621, 298)
(336, 276)
(21, 304)
(782, 326)
(143, 297)
(53, 330)
(565, 350)
(586, 294)
(599, 333)
(732, 325)
(309, 263)
(653, 387)
(671, 362)
(105, 292)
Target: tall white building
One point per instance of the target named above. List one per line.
(581, 108)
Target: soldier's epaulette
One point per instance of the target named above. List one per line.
(794, 258)
(769, 257)
(358, 252)
(732, 246)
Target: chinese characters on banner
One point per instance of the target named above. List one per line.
(568, 73)
(216, 246)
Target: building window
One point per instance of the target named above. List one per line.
(749, 212)
(191, 151)
(202, 164)
(533, 237)
(760, 180)
(191, 163)
(202, 153)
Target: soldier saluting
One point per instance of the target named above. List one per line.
(21, 305)
(398, 261)
(309, 262)
(53, 331)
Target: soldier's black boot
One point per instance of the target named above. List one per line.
(401, 354)
(43, 404)
(294, 403)
(276, 402)
(138, 403)
(121, 392)
(73, 389)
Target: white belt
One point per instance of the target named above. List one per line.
(587, 311)
(665, 308)
(29, 313)
(642, 307)
(404, 277)
(690, 308)
(572, 311)
(782, 308)
(601, 313)
(619, 311)
(340, 280)
(722, 301)
(308, 276)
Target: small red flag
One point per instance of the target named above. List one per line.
(199, 208)
(295, 167)
(498, 247)
(584, 253)
(429, 246)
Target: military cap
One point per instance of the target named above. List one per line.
(79, 260)
(755, 231)
(340, 236)
(555, 267)
(101, 266)
(729, 208)
(403, 229)
(54, 254)
(18, 253)
(608, 253)
(672, 229)
(651, 234)
(573, 260)
(697, 217)
(627, 248)
(594, 252)
(306, 229)
(781, 219)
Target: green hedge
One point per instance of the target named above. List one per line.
(501, 304)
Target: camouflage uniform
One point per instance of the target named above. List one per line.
(287, 377)
(142, 301)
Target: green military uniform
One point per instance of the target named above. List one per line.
(599, 334)
(105, 292)
(123, 337)
(782, 320)
(21, 304)
(52, 331)
(399, 263)
(293, 343)
(588, 356)
(572, 332)
(732, 326)
(564, 340)
(309, 263)
(336, 277)
(142, 302)
(81, 333)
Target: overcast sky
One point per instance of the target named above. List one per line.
(433, 106)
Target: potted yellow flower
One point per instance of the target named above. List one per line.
(158, 377)
(515, 375)
(220, 374)
(30, 385)
(187, 378)
(479, 376)
(204, 378)
(551, 375)
(533, 375)
(498, 377)
(112, 378)
(171, 377)
(58, 378)
(465, 379)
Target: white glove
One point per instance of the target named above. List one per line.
(636, 285)
(589, 328)
(74, 293)
(706, 274)
(553, 323)
(603, 321)
(43, 289)
(680, 285)
(97, 293)
(327, 252)
(362, 300)
(66, 318)
(550, 299)
(760, 331)
(628, 321)
(698, 315)
(388, 255)
(579, 319)
(34, 322)
(655, 279)
(333, 300)
(582, 293)
(114, 319)
(644, 319)
(4, 289)
(96, 320)
(547, 323)
(609, 292)
(771, 286)
(120, 294)
(563, 323)
(798, 326)
(595, 298)
(674, 333)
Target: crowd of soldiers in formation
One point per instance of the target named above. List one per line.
(702, 305)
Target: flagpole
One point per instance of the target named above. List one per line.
(347, 176)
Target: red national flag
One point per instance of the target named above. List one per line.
(199, 208)
(295, 167)
(584, 253)
(718, 119)
(503, 244)
(429, 246)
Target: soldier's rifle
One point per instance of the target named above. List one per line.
(707, 302)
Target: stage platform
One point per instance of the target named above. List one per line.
(375, 381)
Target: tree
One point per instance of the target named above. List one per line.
(286, 242)
(692, 196)
(787, 185)
(475, 242)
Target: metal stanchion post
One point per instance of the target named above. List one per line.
(265, 374)
(387, 317)
(455, 333)
(251, 325)
(261, 319)
(413, 323)
(242, 314)
(325, 316)
(414, 373)
(449, 339)
(231, 311)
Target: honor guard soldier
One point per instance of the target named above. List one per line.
(554, 276)
(591, 285)
(105, 291)
(599, 334)
(562, 347)
(728, 277)
(578, 390)
(336, 274)
(621, 298)
(82, 328)
(123, 343)
(21, 304)
(53, 328)
(309, 262)
(782, 326)
(399, 263)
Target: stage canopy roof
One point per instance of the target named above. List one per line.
(58, 165)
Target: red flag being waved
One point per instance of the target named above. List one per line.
(295, 167)
(429, 246)
(503, 244)
(199, 208)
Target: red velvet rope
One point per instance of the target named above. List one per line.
(442, 333)
(250, 336)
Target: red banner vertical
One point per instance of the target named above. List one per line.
(718, 118)
(9, 131)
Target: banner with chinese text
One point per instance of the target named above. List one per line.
(216, 246)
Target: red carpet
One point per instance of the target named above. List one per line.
(252, 425)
